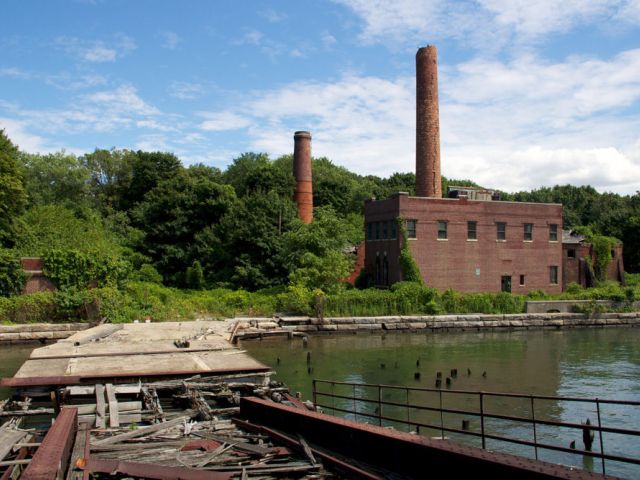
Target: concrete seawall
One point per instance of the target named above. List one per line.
(250, 327)
(38, 332)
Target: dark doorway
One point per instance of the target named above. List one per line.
(506, 283)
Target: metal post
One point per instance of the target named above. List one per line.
(333, 398)
(379, 404)
(535, 434)
(315, 400)
(441, 418)
(482, 419)
(600, 433)
(355, 409)
(407, 407)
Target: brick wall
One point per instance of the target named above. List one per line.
(472, 265)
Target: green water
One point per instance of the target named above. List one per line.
(592, 363)
(603, 363)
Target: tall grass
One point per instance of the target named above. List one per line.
(139, 300)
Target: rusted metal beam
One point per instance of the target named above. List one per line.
(148, 470)
(400, 452)
(52, 457)
(347, 468)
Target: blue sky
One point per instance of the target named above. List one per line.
(531, 93)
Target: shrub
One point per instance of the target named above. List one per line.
(147, 273)
(296, 300)
(76, 269)
(195, 276)
(12, 277)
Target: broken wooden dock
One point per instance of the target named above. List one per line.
(116, 353)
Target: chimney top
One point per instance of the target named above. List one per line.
(302, 133)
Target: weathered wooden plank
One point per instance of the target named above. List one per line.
(8, 463)
(73, 472)
(90, 390)
(125, 419)
(123, 407)
(8, 438)
(100, 406)
(142, 431)
(114, 421)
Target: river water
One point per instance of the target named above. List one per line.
(602, 363)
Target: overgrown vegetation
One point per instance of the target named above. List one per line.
(408, 266)
(135, 234)
(139, 300)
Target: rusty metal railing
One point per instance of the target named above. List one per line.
(350, 399)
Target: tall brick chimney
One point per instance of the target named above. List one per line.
(428, 183)
(303, 195)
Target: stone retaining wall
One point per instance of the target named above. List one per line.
(34, 332)
(474, 322)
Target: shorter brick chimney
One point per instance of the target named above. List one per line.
(303, 195)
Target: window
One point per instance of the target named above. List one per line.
(377, 230)
(442, 230)
(394, 232)
(553, 275)
(528, 232)
(522, 280)
(411, 228)
(571, 253)
(501, 231)
(369, 231)
(553, 232)
(472, 230)
(384, 230)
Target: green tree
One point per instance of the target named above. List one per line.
(110, 174)
(320, 254)
(13, 197)
(174, 214)
(148, 169)
(246, 245)
(55, 178)
(255, 172)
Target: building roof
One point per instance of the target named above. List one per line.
(569, 236)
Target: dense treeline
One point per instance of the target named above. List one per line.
(128, 215)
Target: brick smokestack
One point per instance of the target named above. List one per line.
(303, 195)
(428, 183)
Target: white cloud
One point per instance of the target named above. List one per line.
(186, 90)
(252, 37)
(18, 132)
(171, 40)
(97, 51)
(483, 23)
(328, 40)
(273, 17)
(296, 53)
(508, 125)
(221, 121)
(67, 81)
(124, 99)
(14, 72)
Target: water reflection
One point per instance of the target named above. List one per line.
(590, 363)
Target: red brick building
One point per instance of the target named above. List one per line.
(578, 255)
(467, 245)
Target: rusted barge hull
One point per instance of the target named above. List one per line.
(409, 455)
